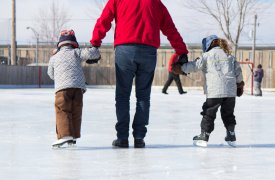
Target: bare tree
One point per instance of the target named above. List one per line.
(231, 15)
(50, 22)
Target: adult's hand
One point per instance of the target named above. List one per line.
(183, 59)
(240, 87)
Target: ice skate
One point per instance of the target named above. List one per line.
(139, 143)
(230, 138)
(201, 140)
(72, 143)
(65, 140)
(121, 143)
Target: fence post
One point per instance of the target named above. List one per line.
(39, 76)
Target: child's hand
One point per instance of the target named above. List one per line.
(92, 61)
(95, 57)
(240, 87)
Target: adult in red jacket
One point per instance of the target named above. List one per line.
(172, 76)
(136, 39)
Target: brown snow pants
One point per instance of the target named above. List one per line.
(68, 108)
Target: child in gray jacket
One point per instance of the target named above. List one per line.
(66, 71)
(223, 81)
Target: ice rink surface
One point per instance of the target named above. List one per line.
(27, 130)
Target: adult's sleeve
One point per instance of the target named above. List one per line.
(103, 24)
(169, 29)
(89, 53)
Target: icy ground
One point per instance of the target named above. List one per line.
(27, 129)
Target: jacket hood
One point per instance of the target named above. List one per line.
(206, 42)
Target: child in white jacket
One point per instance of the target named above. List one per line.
(223, 81)
(66, 71)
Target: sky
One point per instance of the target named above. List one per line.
(192, 25)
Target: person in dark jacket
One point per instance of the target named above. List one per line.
(136, 39)
(258, 76)
(172, 76)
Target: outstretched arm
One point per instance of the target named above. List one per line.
(103, 24)
(169, 29)
(193, 66)
(90, 55)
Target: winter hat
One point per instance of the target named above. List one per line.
(67, 37)
(206, 42)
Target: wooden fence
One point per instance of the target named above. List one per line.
(105, 75)
(95, 75)
(24, 75)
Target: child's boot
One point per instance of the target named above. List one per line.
(201, 140)
(230, 136)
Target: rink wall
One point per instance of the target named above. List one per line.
(95, 75)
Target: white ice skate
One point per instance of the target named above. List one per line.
(69, 140)
(200, 143)
(231, 143)
(201, 140)
(230, 138)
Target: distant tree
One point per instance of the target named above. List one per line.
(231, 15)
(50, 22)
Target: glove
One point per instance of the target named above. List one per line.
(183, 59)
(176, 69)
(240, 87)
(94, 61)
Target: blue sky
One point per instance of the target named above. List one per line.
(192, 25)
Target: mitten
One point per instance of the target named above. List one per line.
(96, 55)
(92, 61)
(176, 67)
(240, 87)
(183, 59)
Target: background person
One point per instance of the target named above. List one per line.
(172, 76)
(258, 77)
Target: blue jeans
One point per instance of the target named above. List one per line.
(139, 62)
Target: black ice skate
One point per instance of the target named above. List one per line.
(230, 138)
(68, 140)
(201, 140)
(121, 143)
(139, 143)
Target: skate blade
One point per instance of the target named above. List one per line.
(231, 143)
(200, 143)
(69, 143)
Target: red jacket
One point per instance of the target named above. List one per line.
(172, 60)
(138, 21)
